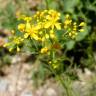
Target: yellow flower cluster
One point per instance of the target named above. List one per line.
(15, 42)
(44, 50)
(42, 27)
(54, 64)
(72, 27)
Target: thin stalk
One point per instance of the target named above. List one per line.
(34, 44)
(47, 5)
(61, 81)
(64, 85)
(58, 77)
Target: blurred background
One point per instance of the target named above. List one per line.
(21, 74)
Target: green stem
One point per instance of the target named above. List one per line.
(58, 77)
(64, 85)
(47, 5)
(35, 44)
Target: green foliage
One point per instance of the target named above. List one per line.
(79, 53)
(8, 16)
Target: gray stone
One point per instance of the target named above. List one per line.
(51, 92)
(27, 94)
(3, 84)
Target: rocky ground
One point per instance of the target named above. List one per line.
(17, 81)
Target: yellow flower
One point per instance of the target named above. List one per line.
(17, 40)
(67, 22)
(44, 50)
(6, 44)
(52, 20)
(10, 49)
(12, 31)
(67, 16)
(26, 35)
(72, 28)
(18, 49)
(82, 24)
(49, 62)
(52, 34)
(34, 36)
(27, 19)
(39, 26)
(21, 27)
(40, 32)
(55, 65)
(53, 24)
(70, 34)
(81, 30)
(43, 39)
(40, 15)
(47, 36)
(28, 27)
(31, 31)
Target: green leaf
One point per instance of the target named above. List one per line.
(70, 44)
(82, 35)
(52, 4)
(69, 5)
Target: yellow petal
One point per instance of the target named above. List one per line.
(10, 49)
(58, 26)
(6, 44)
(18, 49)
(70, 34)
(21, 27)
(28, 27)
(47, 24)
(55, 66)
(82, 24)
(81, 30)
(52, 35)
(51, 31)
(46, 36)
(26, 35)
(35, 36)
